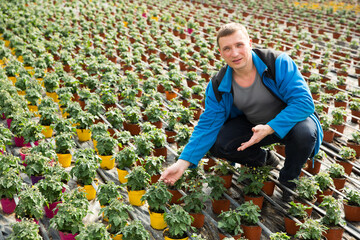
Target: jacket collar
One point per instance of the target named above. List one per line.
(225, 85)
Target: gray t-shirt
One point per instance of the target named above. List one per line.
(256, 102)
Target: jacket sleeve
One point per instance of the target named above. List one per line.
(293, 90)
(207, 129)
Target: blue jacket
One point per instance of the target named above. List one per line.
(289, 86)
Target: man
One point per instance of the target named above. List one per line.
(246, 109)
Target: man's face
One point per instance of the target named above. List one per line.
(235, 49)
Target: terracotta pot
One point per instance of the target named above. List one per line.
(199, 220)
(257, 200)
(338, 128)
(329, 136)
(268, 188)
(134, 129)
(162, 151)
(290, 226)
(308, 211)
(339, 183)
(210, 163)
(8, 205)
(157, 124)
(170, 136)
(170, 95)
(280, 149)
(313, 169)
(354, 146)
(222, 236)
(155, 178)
(340, 104)
(352, 213)
(320, 195)
(176, 196)
(347, 166)
(252, 232)
(228, 179)
(334, 233)
(356, 114)
(222, 205)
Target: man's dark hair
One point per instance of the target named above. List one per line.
(229, 29)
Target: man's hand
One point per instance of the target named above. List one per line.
(260, 132)
(174, 172)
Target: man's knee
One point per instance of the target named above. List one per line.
(304, 133)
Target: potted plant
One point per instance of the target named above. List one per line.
(341, 99)
(354, 106)
(172, 121)
(348, 155)
(137, 182)
(83, 121)
(157, 196)
(10, 185)
(332, 219)
(178, 222)
(311, 229)
(33, 96)
(26, 229)
(30, 205)
(230, 222)
(153, 166)
(194, 201)
(5, 138)
(31, 132)
(115, 118)
(125, 159)
(325, 121)
(298, 211)
(249, 213)
(144, 145)
(106, 148)
(48, 118)
(155, 114)
(338, 121)
(107, 192)
(51, 83)
(36, 166)
(337, 173)
(117, 214)
(69, 218)
(352, 205)
(98, 129)
(64, 142)
(85, 171)
(94, 231)
(306, 189)
(132, 118)
(218, 201)
(135, 230)
(354, 143)
(325, 184)
(51, 188)
(314, 166)
(183, 134)
(222, 169)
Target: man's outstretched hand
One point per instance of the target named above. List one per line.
(174, 172)
(259, 133)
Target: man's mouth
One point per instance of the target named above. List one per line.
(237, 60)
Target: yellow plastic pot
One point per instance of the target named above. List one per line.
(117, 237)
(108, 162)
(89, 190)
(40, 81)
(12, 79)
(7, 43)
(122, 175)
(135, 196)
(30, 70)
(53, 95)
(20, 59)
(125, 23)
(64, 159)
(21, 93)
(105, 218)
(34, 109)
(95, 144)
(48, 131)
(157, 220)
(63, 113)
(83, 134)
(167, 238)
